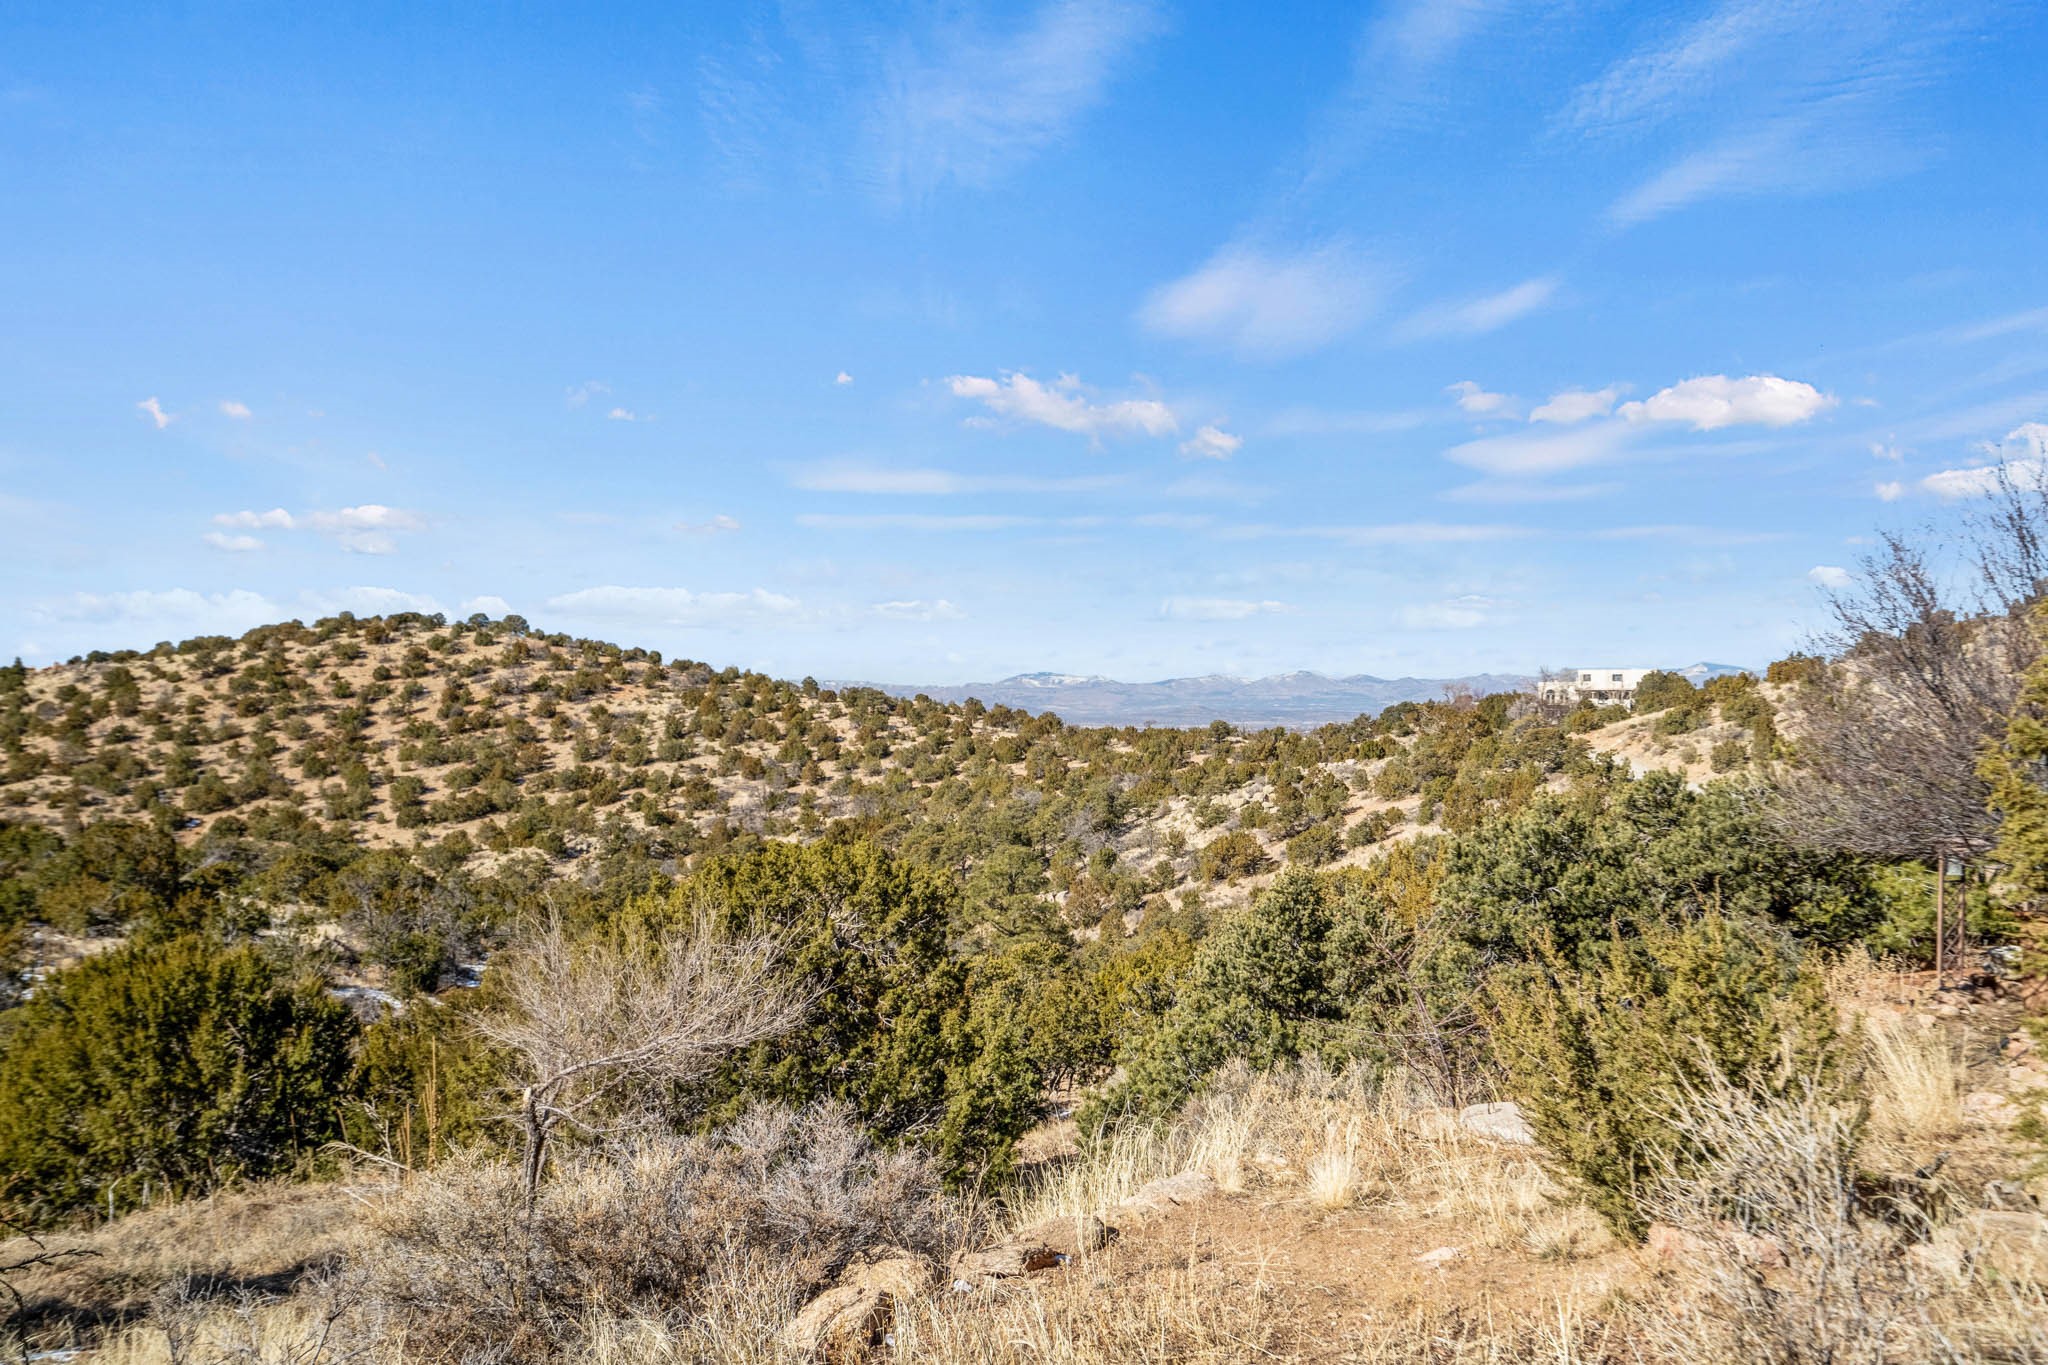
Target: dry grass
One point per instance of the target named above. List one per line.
(1334, 1142)
(1916, 1084)
(1788, 1260)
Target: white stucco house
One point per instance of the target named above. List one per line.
(1601, 686)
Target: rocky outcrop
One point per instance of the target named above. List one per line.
(855, 1314)
(1502, 1122)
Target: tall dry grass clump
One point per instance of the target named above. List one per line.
(454, 1267)
(1784, 1251)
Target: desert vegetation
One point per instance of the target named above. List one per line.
(405, 989)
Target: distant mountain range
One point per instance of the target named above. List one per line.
(1290, 699)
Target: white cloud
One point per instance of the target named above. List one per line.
(1219, 609)
(1460, 613)
(221, 540)
(1063, 406)
(1710, 402)
(1474, 399)
(718, 525)
(239, 411)
(1266, 305)
(371, 601)
(842, 378)
(1830, 575)
(1476, 317)
(979, 104)
(578, 394)
(919, 610)
(276, 518)
(674, 606)
(488, 604)
(367, 529)
(2023, 460)
(1883, 451)
(173, 611)
(621, 415)
(1212, 443)
(1890, 491)
(154, 411)
(370, 516)
(1526, 452)
(1577, 405)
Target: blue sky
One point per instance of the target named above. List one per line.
(940, 343)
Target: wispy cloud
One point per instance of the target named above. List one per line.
(719, 525)
(232, 544)
(1459, 613)
(1064, 406)
(154, 411)
(1219, 608)
(1476, 400)
(1530, 452)
(674, 606)
(1830, 576)
(237, 410)
(1476, 317)
(1269, 305)
(365, 529)
(918, 609)
(1771, 97)
(854, 478)
(576, 395)
(914, 521)
(964, 106)
(1576, 405)
(1521, 491)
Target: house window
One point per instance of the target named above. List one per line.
(1585, 677)
(1617, 677)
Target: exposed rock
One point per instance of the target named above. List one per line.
(1668, 1243)
(1168, 1192)
(892, 1270)
(841, 1324)
(846, 1321)
(1988, 1106)
(1068, 1237)
(1439, 1258)
(1004, 1261)
(1503, 1122)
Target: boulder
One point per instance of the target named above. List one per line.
(1502, 1122)
(1441, 1257)
(855, 1314)
(1168, 1192)
(842, 1324)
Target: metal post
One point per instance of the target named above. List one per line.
(1940, 918)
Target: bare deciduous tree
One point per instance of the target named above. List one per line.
(599, 1026)
(1929, 646)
